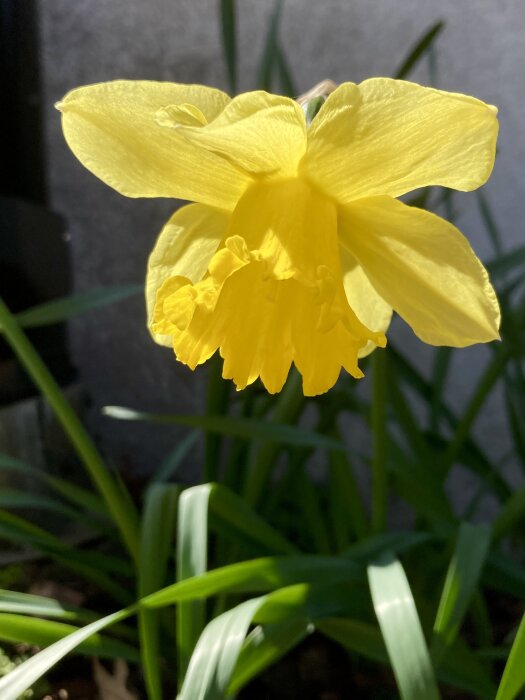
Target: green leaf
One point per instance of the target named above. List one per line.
(513, 678)
(489, 221)
(510, 515)
(18, 681)
(265, 645)
(419, 50)
(192, 560)
(216, 653)
(17, 629)
(77, 495)
(60, 310)
(173, 461)
(93, 566)
(266, 65)
(157, 531)
(229, 40)
(12, 498)
(247, 428)
(401, 629)
(258, 576)
(462, 579)
(372, 547)
(460, 667)
(117, 500)
(286, 80)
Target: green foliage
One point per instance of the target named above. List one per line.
(216, 582)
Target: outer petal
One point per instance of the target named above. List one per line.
(425, 268)
(371, 309)
(262, 133)
(114, 130)
(184, 248)
(388, 137)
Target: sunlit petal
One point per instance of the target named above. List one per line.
(184, 248)
(388, 137)
(424, 268)
(114, 129)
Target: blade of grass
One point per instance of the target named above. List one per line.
(192, 560)
(513, 678)
(229, 40)
(419, 50)
(490, 223)
(286, 80)
(77, 495)
(461, 581)
(266, 65)
(265, 645)
(216, 405)
(62, 309)
(249, 429)
(379, 442)
(347, 510)
(20, 679)
(42, 606)
(17, 629)
(401, 630)
(173, 461)
(258, 576)
(460, 669)
(125, 518)
(157, 531)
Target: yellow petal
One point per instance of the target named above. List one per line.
(184, 248)
(371, 309)
(259, 132)
(388, 137)
(424, 268)
(113, 129)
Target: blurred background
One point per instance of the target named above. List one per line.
(56, 45)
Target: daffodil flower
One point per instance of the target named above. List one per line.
(296, 248)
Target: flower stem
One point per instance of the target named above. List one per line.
(117, 498)
(379, 441)
(287, 409)
(217, 403)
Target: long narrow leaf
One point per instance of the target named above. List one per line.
(62, 309)
(192, 560)
(513, 678)
(258, 576)
(419, 50)
(460, 585)
(265, 645)
(401, 629)
(157, 530)
(118, 504)
(216, 653)
(18, 681)
(229, 40)
(266, 66)
(247, 428)
(29, 630)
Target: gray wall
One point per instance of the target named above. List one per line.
(481, 52)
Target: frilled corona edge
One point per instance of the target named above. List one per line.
(296, 249)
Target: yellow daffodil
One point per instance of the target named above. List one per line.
(296, 248)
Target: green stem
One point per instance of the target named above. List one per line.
(217, 402)
(287, 410)
(116, 497)
(379, 438)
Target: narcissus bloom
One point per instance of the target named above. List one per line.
(296, 248)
